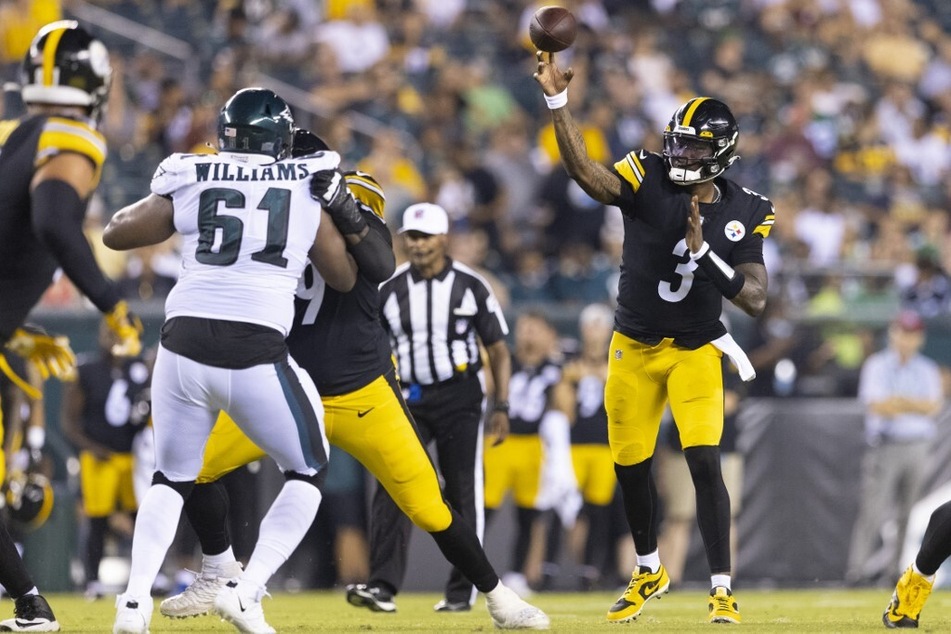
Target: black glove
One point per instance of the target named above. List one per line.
(329, 188)
(307, 143)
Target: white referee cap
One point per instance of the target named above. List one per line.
(425, 218)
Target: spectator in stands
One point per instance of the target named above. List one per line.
(902, 393)
(929, 293)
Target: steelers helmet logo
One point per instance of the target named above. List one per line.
(734, 231)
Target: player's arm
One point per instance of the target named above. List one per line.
(744, 285)
(595, 179)
(368, 239)
(59, 193)
(329, 254)
(500, 362)
(143, 223)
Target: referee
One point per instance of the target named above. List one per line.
(437, 311)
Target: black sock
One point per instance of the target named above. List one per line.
(640, 503)
(523, 541)
(95, 543)
(207, 510)
(460, 546)
(936, 545)
(713, 505)
(13, 574)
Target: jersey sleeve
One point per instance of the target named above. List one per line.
(633, 169)
(61, 135)
(490, 322)
(169, 176)
(750, 248)
(367, 191)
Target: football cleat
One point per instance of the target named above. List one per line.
(909, 598)
(364, 596)
(199, 597)
(242, 610)
(452, 606)
(723, 607)
(31, 613)
(133, 615)
(511, 612)
(644, 586)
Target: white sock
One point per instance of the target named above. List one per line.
(211, 562)
(282, 529)
(155, 527)
(720, 580)
(650, 560)
(914, 567)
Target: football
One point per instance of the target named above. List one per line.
(553, 29)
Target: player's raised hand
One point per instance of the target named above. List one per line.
(694, 235)
(552, 79)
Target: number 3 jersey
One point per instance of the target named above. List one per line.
(247, 223)
(662, 293)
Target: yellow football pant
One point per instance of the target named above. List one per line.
(642, 379)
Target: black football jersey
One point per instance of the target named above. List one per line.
(109, 394)
(661, 292)
(591, 419)
(530, 395)
(26, 264)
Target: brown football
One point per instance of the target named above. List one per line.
(553, 29)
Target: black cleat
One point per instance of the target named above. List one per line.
(31, 613)
(377, 599)
(452, 606)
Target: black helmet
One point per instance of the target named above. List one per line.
(66, 66)
(256, 121)
(29, 497)
(700, 141)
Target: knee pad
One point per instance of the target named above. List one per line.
(184, 489)
(434, 517)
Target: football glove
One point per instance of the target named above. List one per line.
(307, 143)
(329, 188)
(127, 328)
(50, 355)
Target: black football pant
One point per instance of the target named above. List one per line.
(451, 415)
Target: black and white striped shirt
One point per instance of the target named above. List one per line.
(433, 324)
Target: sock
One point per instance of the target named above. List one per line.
(935, 545)
(641, 504)
(155, 528)
(650, 560)
(13, 574)
(720, 580)
(282, 529)
(207, 511)
(214, 562)
(461, 547)
(713, 505)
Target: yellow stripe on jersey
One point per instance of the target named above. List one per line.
(764, 227)
(631, 170)
(66, 135)
(6, 129)
(49, 55)
(692, 109)
(367, 190)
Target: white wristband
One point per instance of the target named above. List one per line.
(699, 254)
(557, 101)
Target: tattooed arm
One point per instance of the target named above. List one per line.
(594, 178)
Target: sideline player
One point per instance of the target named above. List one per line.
(691, 238)
(51, 160)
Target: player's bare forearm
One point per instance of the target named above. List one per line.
(500, 361)
(595, 179)
(752, 297)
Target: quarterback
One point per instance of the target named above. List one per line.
(691, 239)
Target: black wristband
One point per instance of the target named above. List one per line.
(501, 406)
(728, 280)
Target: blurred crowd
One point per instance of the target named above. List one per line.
(844, 109)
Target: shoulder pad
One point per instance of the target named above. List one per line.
(60, 134)
(367, 191)
(631, 168)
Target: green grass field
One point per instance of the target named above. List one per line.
(680, 611)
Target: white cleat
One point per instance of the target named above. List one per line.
(199, 597)
(510, 612)
(242, 611)
(133, 615)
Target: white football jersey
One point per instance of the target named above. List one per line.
(247, 223)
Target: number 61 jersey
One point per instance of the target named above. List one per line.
(662, 293)
(247, 223)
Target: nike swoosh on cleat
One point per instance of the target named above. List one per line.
(21, 623)
(362, 414)
(241, 604)
(646, 589)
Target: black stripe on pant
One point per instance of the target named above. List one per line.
(450, 416)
